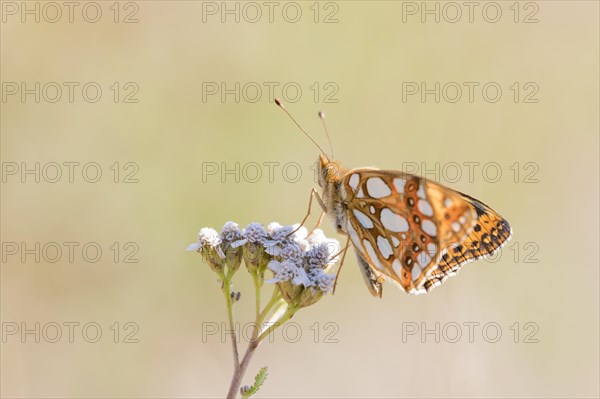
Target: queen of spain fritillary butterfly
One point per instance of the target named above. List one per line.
(406, 229)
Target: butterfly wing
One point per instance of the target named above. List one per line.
(416, 232)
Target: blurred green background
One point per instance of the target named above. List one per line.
(353, 68)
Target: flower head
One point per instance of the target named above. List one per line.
(254, 252)
(231, 233)
(255, 233)
(292, 252)
(323, 281)
(232, 239)
(272, 227)
(300, 262)
(209, 245)
(320, 255)
(288, 271)
(278, 237)
(208, 237)
(300, 269)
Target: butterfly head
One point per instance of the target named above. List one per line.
(329, 171)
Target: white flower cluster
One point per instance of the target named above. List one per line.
(302, 259)
(292, 255)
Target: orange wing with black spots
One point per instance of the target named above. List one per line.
(486, 234)
(415, 232)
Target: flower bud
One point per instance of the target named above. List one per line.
(209, 245)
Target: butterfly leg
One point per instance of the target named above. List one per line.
(318, 223)
(337, 275)
(313, 193)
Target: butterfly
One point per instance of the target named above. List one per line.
(406, 229)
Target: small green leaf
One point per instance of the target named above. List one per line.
(260, 379)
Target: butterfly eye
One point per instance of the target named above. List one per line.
(332, 168)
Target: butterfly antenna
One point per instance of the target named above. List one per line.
(322, 117)
(278, 102)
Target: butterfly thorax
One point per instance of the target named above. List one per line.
(330, 179)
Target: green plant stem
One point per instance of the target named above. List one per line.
(268, 307)
(257, 294)
(229, 302)
(286, 316)
(241, 367)
(240, 370)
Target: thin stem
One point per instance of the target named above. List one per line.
(256, 294)
(286, 316)
(240, 370)
(236, 381)
(229, 302)
(274, 299)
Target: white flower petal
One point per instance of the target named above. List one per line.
(193, 247)
(270, 243)
(301, 278)
(275, 266)
(238, 243)
(273, 250)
